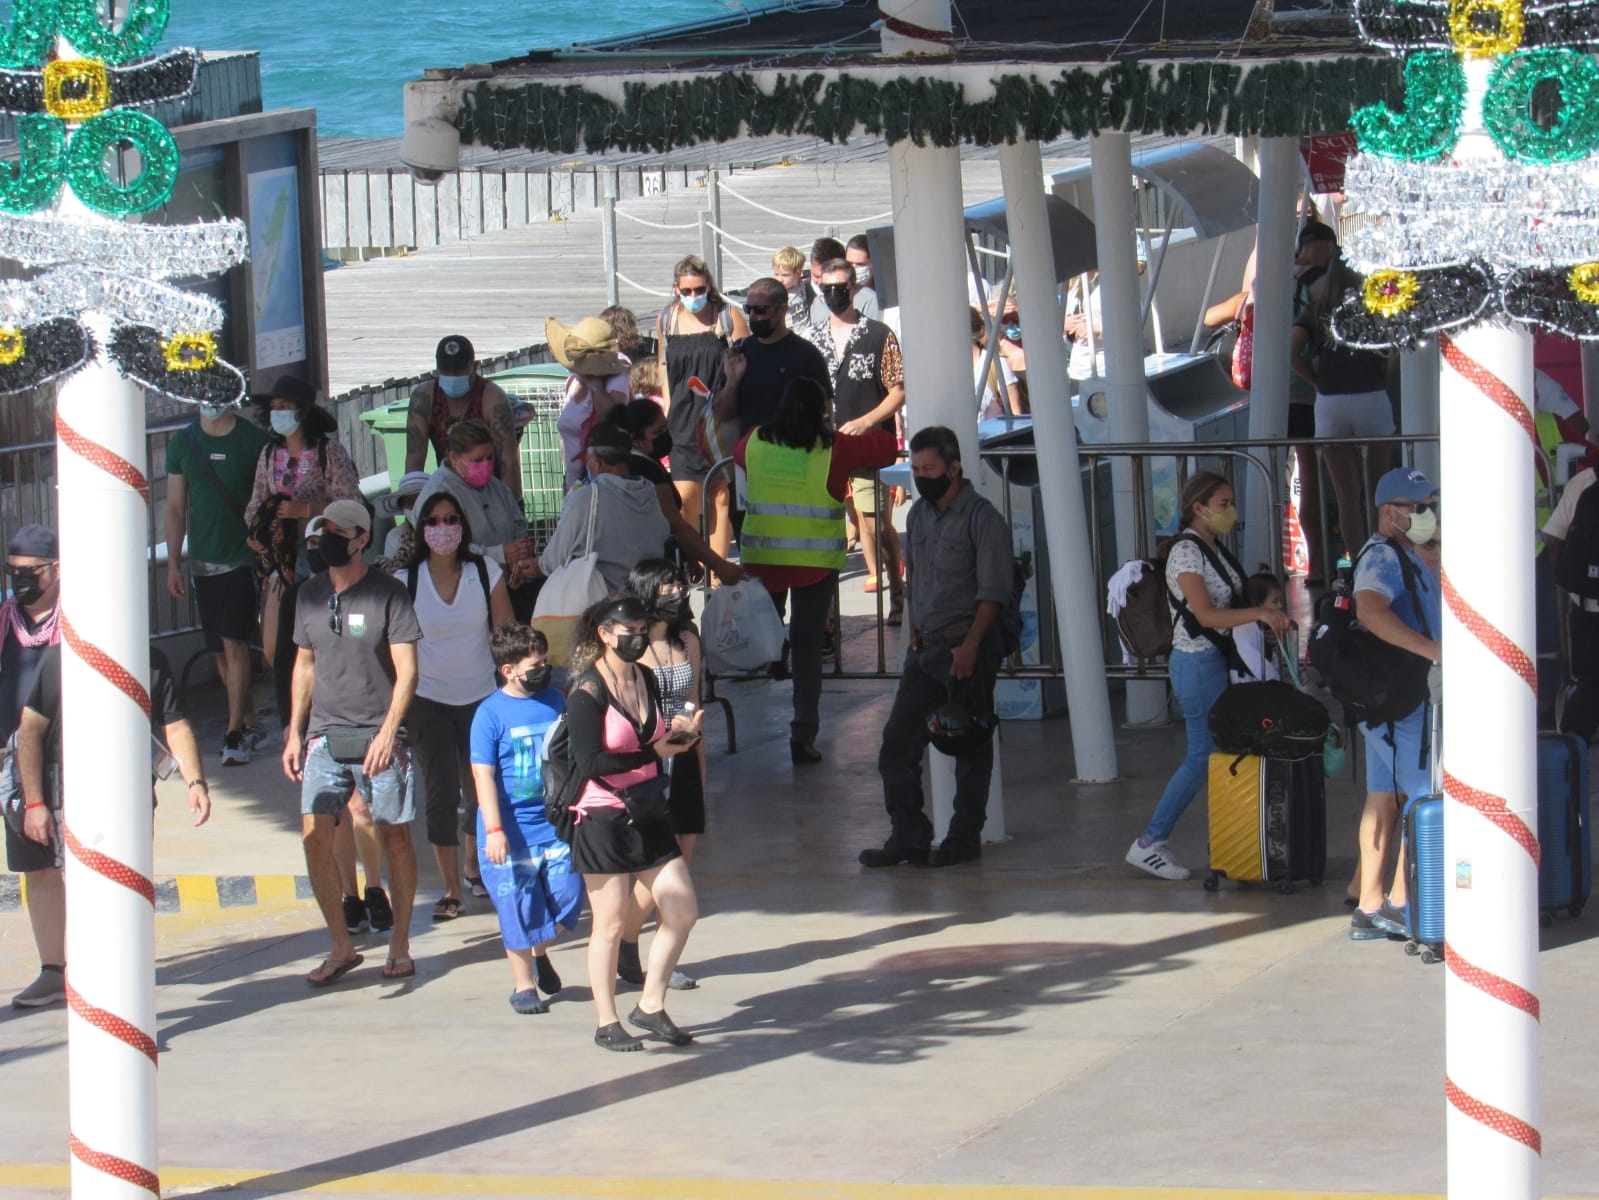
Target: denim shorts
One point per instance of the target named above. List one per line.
(1396, 765)
(326, 786)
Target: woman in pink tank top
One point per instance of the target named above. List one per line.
(623, 834)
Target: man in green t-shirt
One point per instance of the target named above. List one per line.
(210, 472)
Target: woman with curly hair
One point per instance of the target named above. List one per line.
(619, 737)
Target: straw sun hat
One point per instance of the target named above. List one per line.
(587, 348)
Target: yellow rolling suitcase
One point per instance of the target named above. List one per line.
(1268, 820)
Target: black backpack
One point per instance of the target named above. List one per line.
(561, 781)
(1376, 682)
(1269, 719)
(1577, 570)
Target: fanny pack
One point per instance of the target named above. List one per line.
(349, 744)
(646, 802)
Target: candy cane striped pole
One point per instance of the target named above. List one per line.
(1490, 761)
(1490, 747)
(111, 1051)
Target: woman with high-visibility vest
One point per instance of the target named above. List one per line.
(793, 539)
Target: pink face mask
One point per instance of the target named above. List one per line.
(478, 474)
(442, 539)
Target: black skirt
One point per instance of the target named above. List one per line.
(686, 795)
(607, 841)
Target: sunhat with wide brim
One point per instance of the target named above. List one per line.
(587, 348)
(409, 488)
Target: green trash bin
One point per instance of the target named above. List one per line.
(536, 393)
(388, 423)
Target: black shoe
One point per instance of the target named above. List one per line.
(952, 854)
(779, 669)
(354, 915)
(549, 981)
(614, 1037)
(829, 647)
(628, 967)
(661, 1025)
(378, 910)
(892, 854)
(803, 753)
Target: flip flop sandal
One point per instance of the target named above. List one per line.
(447, 909)
(399, 968)
(335, 970)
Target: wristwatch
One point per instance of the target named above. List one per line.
(199, 783)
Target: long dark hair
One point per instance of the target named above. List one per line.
(419, 545)
(799, 422)
(645, 581)
(316, 422)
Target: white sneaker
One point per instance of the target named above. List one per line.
(1157, 860)
(235, 755)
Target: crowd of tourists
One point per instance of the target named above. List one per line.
(421, 673)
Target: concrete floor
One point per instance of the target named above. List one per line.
(1044, 1023)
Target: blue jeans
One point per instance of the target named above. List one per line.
(1198, 678)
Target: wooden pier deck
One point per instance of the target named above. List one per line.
(385, 316)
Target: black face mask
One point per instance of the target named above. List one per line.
(662, 446)
(672, 610)
(762, 327)
(336, 550)
(837, 298)
(25, 586)
(1311, 275)
(535, 681)
(630, 647)
(314, 557)
(932, 489)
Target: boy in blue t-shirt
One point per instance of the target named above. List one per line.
(526, 868)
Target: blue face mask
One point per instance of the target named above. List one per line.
(455, 386)
(694, 304)
(284, 421)
(212, 412)
(1013, 333)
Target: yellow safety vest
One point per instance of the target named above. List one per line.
(792, 519)
(1549, 440)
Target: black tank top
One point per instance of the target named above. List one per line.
(690, 355)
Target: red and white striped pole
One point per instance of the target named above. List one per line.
(111, 1051)
(1490, 749)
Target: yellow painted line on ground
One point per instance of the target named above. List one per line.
(602, 1188)
(275, 889)
(197, 891)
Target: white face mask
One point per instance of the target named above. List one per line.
(1423, 526)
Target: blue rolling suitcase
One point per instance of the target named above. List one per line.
(1424, 877)
(1565, 877)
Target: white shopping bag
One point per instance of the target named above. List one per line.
(568, 593)
(741, 629)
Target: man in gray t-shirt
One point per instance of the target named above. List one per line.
(354, 677)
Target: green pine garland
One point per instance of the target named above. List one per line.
(1277, 99)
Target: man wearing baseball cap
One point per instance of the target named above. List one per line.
(1398, 598)
(354, 677)
(459, 393)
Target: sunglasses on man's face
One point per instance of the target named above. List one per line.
(759, 310)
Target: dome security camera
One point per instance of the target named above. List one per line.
(431, 149)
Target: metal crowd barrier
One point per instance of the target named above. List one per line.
(1264, 459)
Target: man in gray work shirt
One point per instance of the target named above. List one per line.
(959, 570)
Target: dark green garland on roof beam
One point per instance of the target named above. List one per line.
(1277, 99)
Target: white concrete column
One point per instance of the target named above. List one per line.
(1281, 180)
(1492, 1033)
(1121, 314)
(1418, 403)
(930, 259)
(1077, 604)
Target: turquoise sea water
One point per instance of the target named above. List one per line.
(349, 59)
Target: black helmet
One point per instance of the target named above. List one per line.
(955, 730)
